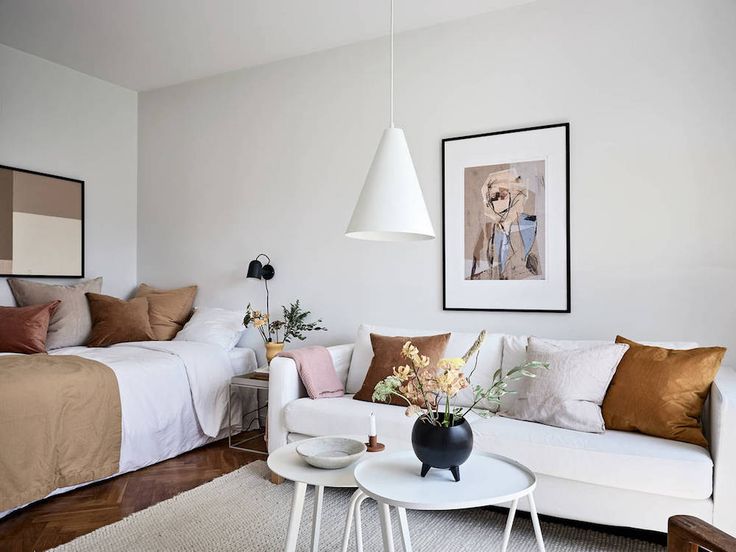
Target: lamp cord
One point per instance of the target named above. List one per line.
(391, 92)
(268, 310)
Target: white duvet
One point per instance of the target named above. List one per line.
(173, 395)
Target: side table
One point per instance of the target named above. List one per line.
(258, 381)
(488, 479)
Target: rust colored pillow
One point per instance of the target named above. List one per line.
(24, 329)
(661, 392)
(117, 321)
(387, 355)
(168, 310)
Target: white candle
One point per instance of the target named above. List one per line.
(373, 425)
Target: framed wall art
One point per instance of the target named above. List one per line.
(506, 220)
(41, 224)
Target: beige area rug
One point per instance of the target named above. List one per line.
(243, 511)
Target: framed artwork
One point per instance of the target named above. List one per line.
(41, 224)
(506, 220)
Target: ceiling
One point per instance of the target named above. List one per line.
(146, 44)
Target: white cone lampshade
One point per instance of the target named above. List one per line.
(391, 206)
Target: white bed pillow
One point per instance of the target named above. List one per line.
(215, 326)
(570, 393)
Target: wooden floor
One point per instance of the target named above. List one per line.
(59, 519)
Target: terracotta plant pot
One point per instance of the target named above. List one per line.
(442, 447)
(272, 349)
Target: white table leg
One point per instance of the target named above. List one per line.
(357, 496)
(387, 532)
(404, 523)
(509, 523)
(535, 523)
(297, 506)
(359, 524)
(319, 493)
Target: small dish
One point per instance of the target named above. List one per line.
(330, 453)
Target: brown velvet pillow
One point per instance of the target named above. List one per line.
(24, 329)
(387, 355)
(168, 310)
(661, 392)
(117, 321)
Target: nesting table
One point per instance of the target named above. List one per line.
(488, 479)
(392, 478)
(289, 465)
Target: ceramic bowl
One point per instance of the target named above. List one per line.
(330, 453)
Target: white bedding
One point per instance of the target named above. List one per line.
(173, 395)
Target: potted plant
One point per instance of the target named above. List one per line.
(279, 332)
(441, 436)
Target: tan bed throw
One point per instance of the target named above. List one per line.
(60, 425)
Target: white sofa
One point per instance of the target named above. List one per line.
(615, 478)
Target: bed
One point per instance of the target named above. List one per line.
(173, 397)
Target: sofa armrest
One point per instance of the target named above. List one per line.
(285, 386)
(723, 449)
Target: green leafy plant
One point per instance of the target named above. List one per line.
(294, 324)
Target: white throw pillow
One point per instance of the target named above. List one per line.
(489, 358)
(215, 326)
(569, 394)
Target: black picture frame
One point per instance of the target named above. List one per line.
(82, 220)
(568, 306)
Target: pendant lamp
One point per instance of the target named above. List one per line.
(391, 206)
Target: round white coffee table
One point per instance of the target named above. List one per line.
(289, 465)
(394, 479)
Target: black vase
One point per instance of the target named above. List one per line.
(442, 447)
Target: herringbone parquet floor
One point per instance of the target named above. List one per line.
(60, 519)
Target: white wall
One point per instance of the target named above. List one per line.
(272, 159)
(59, 121)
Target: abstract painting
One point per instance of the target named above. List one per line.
(506, 220)
(504, 217)
(41, 224)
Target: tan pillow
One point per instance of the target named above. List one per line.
(117, 321)
(661, 392)
(168, 310)
(387, 355)
(70, 324)
(23, 329)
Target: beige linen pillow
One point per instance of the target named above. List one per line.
(71, 323)
(570, 393)
(168, 310)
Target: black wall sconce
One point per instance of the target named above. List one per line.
(259, 271)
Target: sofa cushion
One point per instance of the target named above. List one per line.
(387, 355)
(489, 358)
(661, 392)
(616, 459)
(514, 354)
(570, 392)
